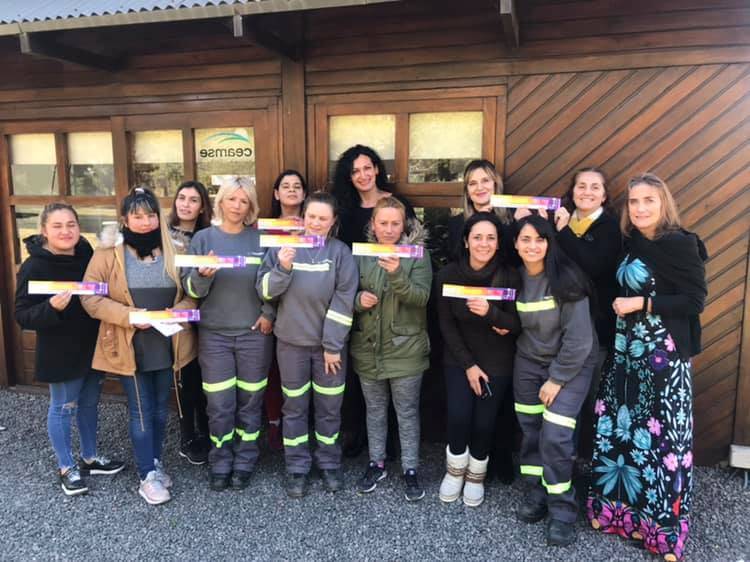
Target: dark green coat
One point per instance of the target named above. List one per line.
(390, 340)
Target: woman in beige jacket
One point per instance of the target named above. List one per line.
(137, 262)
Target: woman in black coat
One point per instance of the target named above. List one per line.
(66, 337)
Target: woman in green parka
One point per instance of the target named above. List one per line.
(390, 348)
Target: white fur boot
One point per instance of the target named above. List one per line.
(474, 487)
(453, 481)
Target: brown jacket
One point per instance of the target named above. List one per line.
(114, 351)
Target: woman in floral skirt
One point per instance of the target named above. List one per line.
(643, 452)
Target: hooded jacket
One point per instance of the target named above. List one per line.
(65, 339)
(390, 339)
(114, 351)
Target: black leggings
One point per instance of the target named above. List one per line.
(471, 419)
(193, 402)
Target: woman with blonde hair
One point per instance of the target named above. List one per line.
(642, 469)
(235, 342)
(138, 265)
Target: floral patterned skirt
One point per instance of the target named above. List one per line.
(642, 465)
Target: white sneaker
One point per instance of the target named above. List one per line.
(163, 477)
(152, 490)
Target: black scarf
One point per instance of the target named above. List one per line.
(144, 244)
(677, 256)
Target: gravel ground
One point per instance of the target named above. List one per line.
(260, 523)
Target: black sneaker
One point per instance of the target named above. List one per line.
(413, 491)
(194, 452)
(72, 483)
(100, 465)
(218, 482)
(240, 479)
(332, 479)
(560, 533)
(295, 485)
(373, 475)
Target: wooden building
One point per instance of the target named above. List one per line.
(93, 102)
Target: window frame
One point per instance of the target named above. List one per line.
(490, 100)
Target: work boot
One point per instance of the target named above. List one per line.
(531, 511)
(560, 533)
(296, 485)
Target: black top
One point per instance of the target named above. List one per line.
(65, 340)
(353, 221)
(597, 253)
(469, 338)
(676, 261)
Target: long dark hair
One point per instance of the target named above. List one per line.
(204, 218)
(343, 188)
(567, 199)
(567, 281)
(276, 204)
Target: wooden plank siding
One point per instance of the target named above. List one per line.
(628, 85)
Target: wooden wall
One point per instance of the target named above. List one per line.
(630, 85)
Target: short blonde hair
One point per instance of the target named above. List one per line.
(669, 216)
(230, 185)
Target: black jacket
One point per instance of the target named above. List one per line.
(677, 262)
(353, 222)
(597, 253)
(65, 340)
(469, 339)
(456, 240)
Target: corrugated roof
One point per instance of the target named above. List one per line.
(41, 10)
(18, 16)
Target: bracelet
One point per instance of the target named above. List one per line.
(645, 303)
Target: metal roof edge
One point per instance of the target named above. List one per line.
(179, 14)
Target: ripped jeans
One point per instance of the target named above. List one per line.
(80, 398)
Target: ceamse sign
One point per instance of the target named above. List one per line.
(226, 145)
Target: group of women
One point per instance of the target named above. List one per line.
(596, 297)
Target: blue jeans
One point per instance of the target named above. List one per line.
(79, 397)
(148, 398)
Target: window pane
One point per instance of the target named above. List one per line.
(33, 164)
(376, 131)
(441, 144)
(91, 164)
(27, 223)
(221, 152)
(157, 160)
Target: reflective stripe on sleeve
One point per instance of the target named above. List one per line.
(339, 318)
(546, 304)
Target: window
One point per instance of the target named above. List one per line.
(225, 151)
(92, 171)
(441, 144)
(375, 131)
(91, 218)
(157, 161)
(33, 164)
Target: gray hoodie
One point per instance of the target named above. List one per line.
(558, 335)
(315, 298)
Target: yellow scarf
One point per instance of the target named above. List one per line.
(579, 226)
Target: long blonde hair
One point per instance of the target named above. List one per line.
(669, 216)
(229, 186)
(489, 168)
